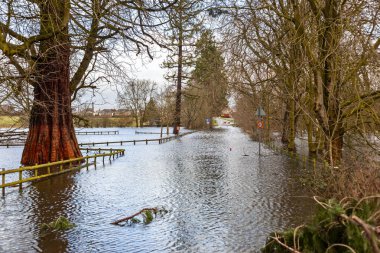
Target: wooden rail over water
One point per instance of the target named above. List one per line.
(24, 133)
(96, 132)
(139, 132)
(146, 141)
(55, 168)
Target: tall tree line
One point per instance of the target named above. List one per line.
(318, 60)
(206, 94)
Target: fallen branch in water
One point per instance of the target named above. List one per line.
(146, 213)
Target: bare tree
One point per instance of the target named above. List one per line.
(319, 56)
(40, 37)
(135, 96)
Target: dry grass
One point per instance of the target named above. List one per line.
(353, 179)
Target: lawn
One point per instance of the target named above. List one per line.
(10, 121)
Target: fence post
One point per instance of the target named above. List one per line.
(3, 181)
(95, 161)
(48, 168)
(20, 179)
(87, 162)
(103, 159)
(146, 140)
(36, 171)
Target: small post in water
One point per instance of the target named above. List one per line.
(3, 181)
(260, 124)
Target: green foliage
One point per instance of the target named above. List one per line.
(60, 224)
(135, 220)
(207, 93)
(329, 228)
(148, 216)
(151, 111)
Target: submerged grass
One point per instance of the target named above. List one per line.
(60, 224)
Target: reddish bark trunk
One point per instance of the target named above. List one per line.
(51, 131)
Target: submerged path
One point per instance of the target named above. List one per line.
(220, 195)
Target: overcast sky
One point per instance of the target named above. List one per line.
(147, 69)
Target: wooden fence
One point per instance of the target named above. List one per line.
(55, 168)
(96, 132)
(146, 141)
(24, 133)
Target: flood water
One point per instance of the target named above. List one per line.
(221, 197)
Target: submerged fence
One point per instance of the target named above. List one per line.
(41, 171)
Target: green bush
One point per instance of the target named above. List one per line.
(333, 229)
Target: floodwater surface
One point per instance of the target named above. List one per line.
(221, 197)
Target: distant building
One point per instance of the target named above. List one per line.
(113, 113)
(107, 112)
(123, 112)
(226, 113)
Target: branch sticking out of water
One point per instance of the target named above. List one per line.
(147, 215)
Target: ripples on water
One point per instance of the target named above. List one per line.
(219, 200)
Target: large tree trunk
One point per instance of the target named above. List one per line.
(51, 131)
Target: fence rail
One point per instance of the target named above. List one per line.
(96, 132)
(13, 133)
(24, 133)
(55, 168)
(140, 132)
(146, 141)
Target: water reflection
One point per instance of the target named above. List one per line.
(58, 192)
(222, 197)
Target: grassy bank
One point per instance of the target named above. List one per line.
(11, 122)
(110, 122)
